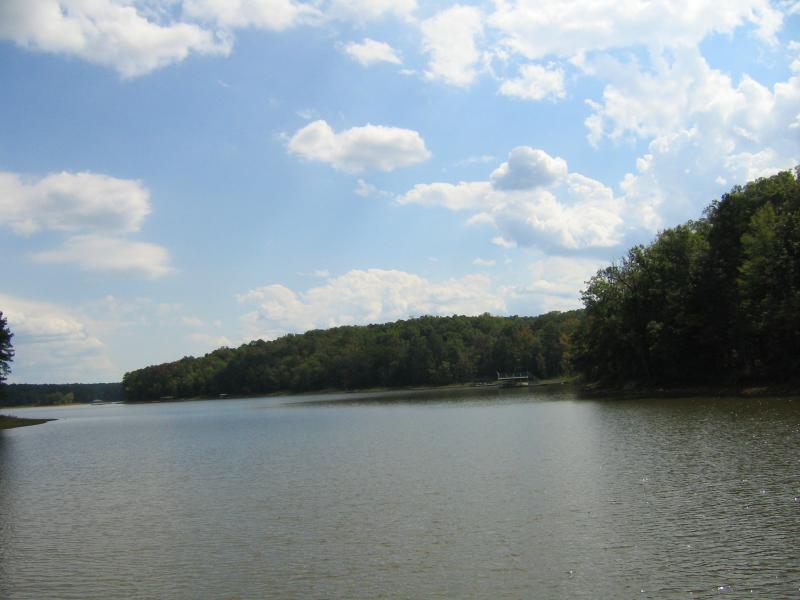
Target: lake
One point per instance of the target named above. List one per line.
(489, 494)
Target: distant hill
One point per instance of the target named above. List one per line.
(16, 394)
(422, 351)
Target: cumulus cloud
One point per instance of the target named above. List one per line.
(706, 133)
(449, 37)
(53, 342)
(369, 52)
(539, 28)
(104, 32)
(95, 209)
(528, 168)
(535, 82)
(136, 38)
(100, 253)
(556, 282)
(360, 148)
(580, 213)
(72, 202)
(533, 200)
(365, 296)
(473, 195)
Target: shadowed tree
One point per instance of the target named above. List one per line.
(6, 349)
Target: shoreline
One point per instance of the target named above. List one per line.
(9, 422)
(783, 390)
(472, 386)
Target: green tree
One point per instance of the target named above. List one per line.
(6, 349)
(713, 300)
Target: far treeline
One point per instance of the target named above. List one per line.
(16, 394)
(416, 352)
(713, 301)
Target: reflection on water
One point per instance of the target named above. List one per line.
(484, 494)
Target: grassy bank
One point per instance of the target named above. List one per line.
(7, 422)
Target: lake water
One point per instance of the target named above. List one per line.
(501, 494)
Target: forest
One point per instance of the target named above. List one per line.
(715, 300)
(415, 352)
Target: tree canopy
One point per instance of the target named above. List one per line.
(714, 300)
(59, 393)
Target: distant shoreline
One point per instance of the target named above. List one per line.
(784, 390)
(476, 386)
(588, 391)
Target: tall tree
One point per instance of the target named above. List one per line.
(6, 349)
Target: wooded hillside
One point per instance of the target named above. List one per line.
(422, 351)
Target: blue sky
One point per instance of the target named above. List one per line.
(177, 175)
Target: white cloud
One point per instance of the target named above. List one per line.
(706, 134)
(72, 202)
(794, 47)
(474, 195)
(360, 148)
(208, 342)
(365, 190)
(369, 52)
(104, 32)
(364, 10)
(532, 200)
(275, 15)
(449, 37)
(503, 242)
(53, 344)
(484, 262)
(541, 28)
(556, 282)
(365, 296)
(192, 322)
(136, 37)
(582, 213)
(528, 168)
(473, 160)
(535, 82)
(100, 253)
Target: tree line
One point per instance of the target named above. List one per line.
(715, 300)
(423, 351)
(16, 394)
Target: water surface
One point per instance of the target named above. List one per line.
(500, 494)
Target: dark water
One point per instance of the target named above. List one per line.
(499, 495)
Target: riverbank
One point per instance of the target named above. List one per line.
(8, 422)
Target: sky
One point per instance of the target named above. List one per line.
(179, 175)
